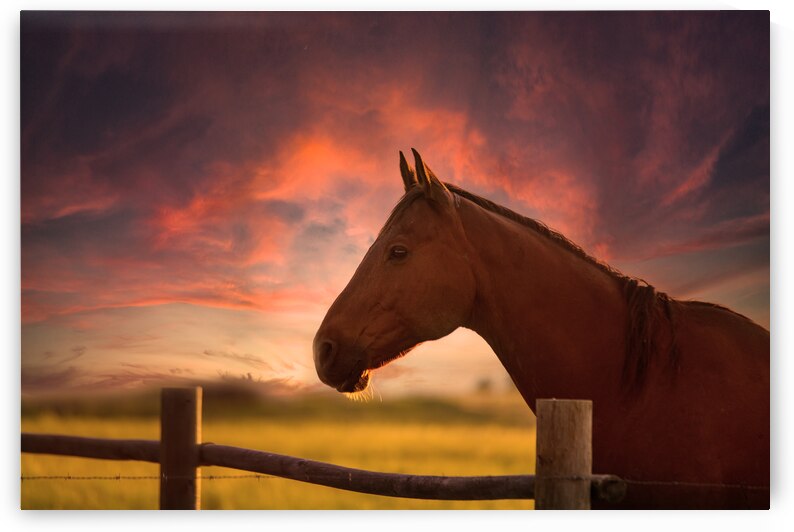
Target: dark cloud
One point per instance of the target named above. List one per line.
(128, 378)
(80, 233)
(180, 371)
(75, 353)
(37, 379)
(134, 366)
(245, 359)
(290, 212)
(739, 185)
(318, 233)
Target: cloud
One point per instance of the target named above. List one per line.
(180, 371)
(724, 234)
(38, 379)
(76, 352)
(244, 359)
(130, 378)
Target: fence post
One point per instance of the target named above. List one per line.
(180, 436)
(564, 460)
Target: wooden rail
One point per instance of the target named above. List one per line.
(105, 449)
(558, 485)
(604, 487)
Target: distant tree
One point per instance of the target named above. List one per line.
(484, 385)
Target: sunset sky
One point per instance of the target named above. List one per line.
(198, 188)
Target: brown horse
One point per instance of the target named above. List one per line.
(680, 389)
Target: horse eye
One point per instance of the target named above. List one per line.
(398, 252)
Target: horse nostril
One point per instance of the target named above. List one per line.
(326, 353)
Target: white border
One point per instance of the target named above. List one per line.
(781, 264)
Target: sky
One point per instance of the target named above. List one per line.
(196, 189)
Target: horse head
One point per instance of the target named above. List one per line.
(414, 284)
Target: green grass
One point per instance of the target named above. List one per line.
(479, 435)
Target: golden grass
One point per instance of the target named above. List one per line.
(456, 448)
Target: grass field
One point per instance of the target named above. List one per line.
(476, 435)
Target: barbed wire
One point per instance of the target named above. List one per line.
(269, 477)
(141, 477)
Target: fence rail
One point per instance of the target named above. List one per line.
(105, 449)
(564, 478)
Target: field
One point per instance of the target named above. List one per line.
(481, 434)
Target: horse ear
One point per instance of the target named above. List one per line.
(432, 186)
(409, 177)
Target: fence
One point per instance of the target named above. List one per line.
(563, 479)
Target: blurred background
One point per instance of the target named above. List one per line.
(489, 431)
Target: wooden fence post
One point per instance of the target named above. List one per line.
(564, 460)
(180, 436)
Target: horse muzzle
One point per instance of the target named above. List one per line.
(332, 370)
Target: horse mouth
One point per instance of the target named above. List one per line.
(359, 379)
(357, 382)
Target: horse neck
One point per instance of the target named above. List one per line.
(556, 321)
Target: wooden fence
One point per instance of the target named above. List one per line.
(563, 479)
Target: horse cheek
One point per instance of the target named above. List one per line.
(445, 309)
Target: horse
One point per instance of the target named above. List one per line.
(680, 389)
